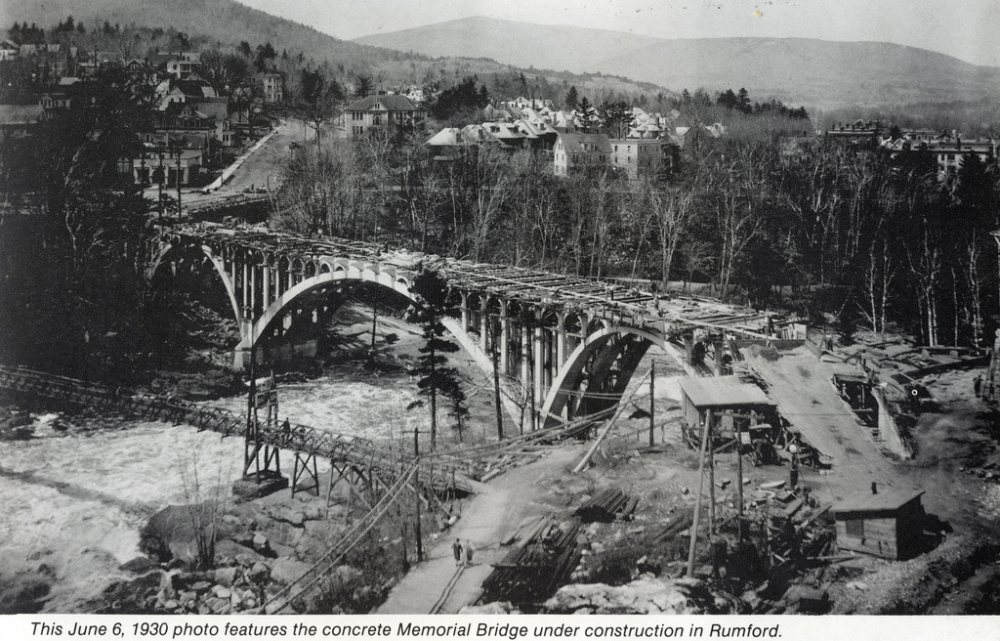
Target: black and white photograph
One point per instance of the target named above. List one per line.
(538, 307)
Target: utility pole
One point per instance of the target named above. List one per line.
(496, 382)
(739, 481)
(652, 404)
(179, 148)
(701, 484)
(416, 491)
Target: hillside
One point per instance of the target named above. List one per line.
(813, 72)
(514, 43)
(224, 20)
(229, 22)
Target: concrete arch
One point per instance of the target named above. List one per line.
(569, 374)
(220, 268)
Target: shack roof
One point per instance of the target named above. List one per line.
(722, 391)
(887, 501)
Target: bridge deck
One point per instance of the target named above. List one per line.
(557, 291)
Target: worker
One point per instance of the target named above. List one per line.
(977, 384)
(468, 554)
(286, 428)
(793, 474)
(456, 549)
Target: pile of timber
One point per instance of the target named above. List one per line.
(532, 571)
(607, 506)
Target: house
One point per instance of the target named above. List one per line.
(573, 151)
(379, 111)
(93, 61)
(9, 50)
(274, 87)
(888, 524)
(637, 156)
(161, 164)
(19, 120)
(182, 65)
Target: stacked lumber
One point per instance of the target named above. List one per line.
(607, 506)
(531, 572)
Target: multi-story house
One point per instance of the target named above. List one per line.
(182, 65)
(580, 151)
(379, 111)
(274, 86)
(637, 156)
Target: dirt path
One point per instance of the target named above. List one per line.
(490, 517)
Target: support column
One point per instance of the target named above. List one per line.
(484, 333)
(246, 292)
(465, 314)
(266, 298)
(689, 348)
(253, 291)
(560, 345)
(504, 340)
(717, 351)
(539, 358)
(525, 350)
(291, 278)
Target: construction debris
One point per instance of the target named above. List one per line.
(607, 506)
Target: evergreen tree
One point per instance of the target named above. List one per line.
(430, 290)
(572, 98)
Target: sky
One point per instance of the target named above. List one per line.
(965, 29)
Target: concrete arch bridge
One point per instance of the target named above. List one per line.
(566, 346)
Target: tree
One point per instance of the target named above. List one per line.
(365, 86)
(617, 118)
(572, 98)
(433, 304)
(318, 100)
(588, 115)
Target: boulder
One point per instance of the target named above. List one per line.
(138, 565)
(287, 570)
(226, 576)
(644, 596)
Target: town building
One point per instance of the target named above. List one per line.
(274, 87)
(379, 111)
(637, 156)
(578, 151)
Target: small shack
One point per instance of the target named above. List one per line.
(889, 525)
(732, 402)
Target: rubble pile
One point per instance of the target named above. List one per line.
(646, 595)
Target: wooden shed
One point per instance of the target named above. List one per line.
(724, 396)
(889, 524)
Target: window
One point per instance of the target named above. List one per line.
(357, 115)
(377, 120)
(856, 528)
(358, 130)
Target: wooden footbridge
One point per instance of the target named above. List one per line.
(382, 472)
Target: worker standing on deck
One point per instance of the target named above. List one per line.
(456, 549)
(468, 554)
(793, 474)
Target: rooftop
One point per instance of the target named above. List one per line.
(722, 391)
(888, 500)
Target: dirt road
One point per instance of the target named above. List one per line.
(491, 516)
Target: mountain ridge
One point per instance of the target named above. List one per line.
(815, 72)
